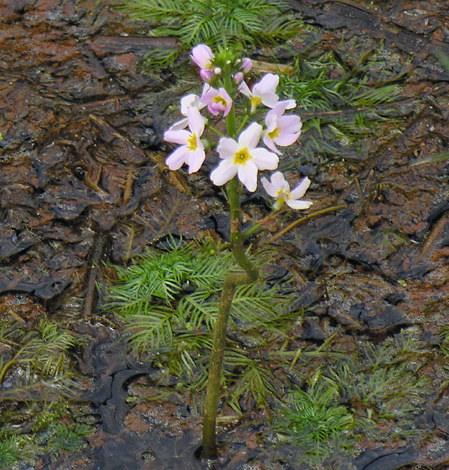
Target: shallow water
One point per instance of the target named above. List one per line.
(82, 183)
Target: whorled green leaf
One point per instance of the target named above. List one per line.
(214, 22)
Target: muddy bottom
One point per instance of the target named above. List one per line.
(83, 185)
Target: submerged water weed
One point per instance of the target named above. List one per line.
(231, 23)
(173, 327)
(35, 428)
(315, 422)
(383, 386)
(69, 437)
(375, 394)
(164, 274)
(341, 104)
(44, 354)
(36, 379)
(14, 449)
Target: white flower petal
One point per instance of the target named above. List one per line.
(269, 187)
(250, 137)
(202, 55)
(177, 137)
(188, 101)
(287, 139)
(244, 89)
(196, 159)
(278, 179)
(270, 100)
(271, 121)
(299, 205)
(270, 144)
(223, 173)
(290, 124)
(208, 94)
(179, 125)
(268, 84)
(196, 121)
(301, 189)
(248, 175)
(227, 147)
(264, 160)
(177, 158)
(281, 106)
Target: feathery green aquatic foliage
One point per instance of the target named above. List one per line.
(340, 103)
(381, 381)
(234, 23)
(253, 377)
(376, 393)
(36, 428)
(69, 437)
(44, 353)
(383, 384)
(13, 449)
(175, 331)
(164, 275)
(315, 421)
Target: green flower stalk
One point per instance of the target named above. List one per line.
(231, 282)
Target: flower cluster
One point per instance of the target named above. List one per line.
(224, 81)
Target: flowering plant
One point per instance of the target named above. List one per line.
(224, 77)
(251, 144)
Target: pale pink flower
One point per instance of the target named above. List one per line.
(203, 56)
(217, 101)
(279, 188)
(243, 158)
(187, 102)
(281, 130)
(191, 151)
(262, 92)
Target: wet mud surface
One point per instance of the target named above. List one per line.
(82, 182)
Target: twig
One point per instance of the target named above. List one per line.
(93, 273)
(304, 219)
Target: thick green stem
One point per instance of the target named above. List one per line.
(231, 282)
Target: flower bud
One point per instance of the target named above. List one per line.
(247, 64)
(238, 77)
(206, 75)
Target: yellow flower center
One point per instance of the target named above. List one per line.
(192, 144)
(255, 101)
(220, 99)
(241, 157)
(274, 133)
(281, 194)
